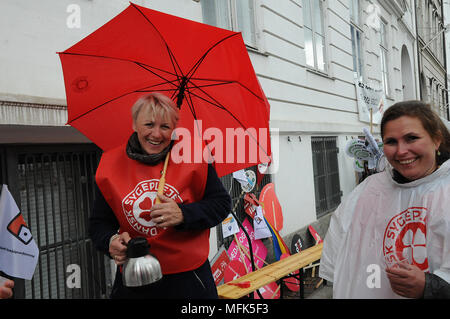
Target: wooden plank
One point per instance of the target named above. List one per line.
(270, 273)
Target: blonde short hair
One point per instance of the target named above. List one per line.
(159, 105)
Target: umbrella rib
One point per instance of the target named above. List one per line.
(173, 60)
(215, 84)
(218, 105)
(119, 59)
(200, 60)
(161, 77)
(113, 99)
(223, 83)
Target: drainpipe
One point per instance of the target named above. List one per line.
(445, 63)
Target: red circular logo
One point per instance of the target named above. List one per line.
(405, 238)
(137, 205)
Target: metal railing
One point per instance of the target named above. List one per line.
(326, 174)
(56, 192)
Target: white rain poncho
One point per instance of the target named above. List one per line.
(381, 222)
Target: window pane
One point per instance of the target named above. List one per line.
(307, 14)
(354, 48)
(359, 51)
(384, 73)
(317, 16)
(320, 52)
(217, 13)
(309, 51)
(245, 20)
(314, 34)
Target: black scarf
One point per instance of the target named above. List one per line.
(135, 151)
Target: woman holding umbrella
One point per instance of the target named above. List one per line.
(390, 237)
(176, 223)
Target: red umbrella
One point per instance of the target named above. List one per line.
(205, 69)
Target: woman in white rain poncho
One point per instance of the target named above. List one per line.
(390, 237)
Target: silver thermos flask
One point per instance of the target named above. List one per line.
(141, 268)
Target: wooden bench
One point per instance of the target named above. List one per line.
(270, 273)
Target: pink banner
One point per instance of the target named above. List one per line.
(259, 249)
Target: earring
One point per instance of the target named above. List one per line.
(438, 153)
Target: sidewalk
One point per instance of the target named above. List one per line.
(323, 292)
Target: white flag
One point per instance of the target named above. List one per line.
(259, 225)
(229, 226)
(18, 251)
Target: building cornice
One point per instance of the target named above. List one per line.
(398, 7)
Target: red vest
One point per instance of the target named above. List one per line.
(130, 189)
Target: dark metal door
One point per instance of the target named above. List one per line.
(53, 187)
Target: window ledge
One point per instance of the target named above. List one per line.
(320, 73)
(254, 50)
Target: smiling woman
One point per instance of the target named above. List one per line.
(415, 140)
(154, 119)
(142, 192)
(409, 147)
(397, 219)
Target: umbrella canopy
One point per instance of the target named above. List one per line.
(204, 69)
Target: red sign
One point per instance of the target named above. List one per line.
(234, 270)
(219, 266)
(315, 234)
(272, 207)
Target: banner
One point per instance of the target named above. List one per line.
(18, 251)
(259, 249)
(218, 265)
(369, 98)
(229, 226)
(259, 225)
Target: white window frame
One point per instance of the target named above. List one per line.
(312, 57)
(384, 54)
(229, 11)
(357, 39)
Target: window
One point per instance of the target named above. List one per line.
(420, 17)
(356, 35)
(442, 30)
(236, 15)
(434, 32)
(428, 12)
(438, 99)
(314, 34)
(384, 57)
(326, 174)
(443, 103)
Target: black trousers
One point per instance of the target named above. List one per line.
(194, 284)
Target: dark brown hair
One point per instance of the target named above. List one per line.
(431, 122)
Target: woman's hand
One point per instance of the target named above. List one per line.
(118, 248)
(167, 213)
(6, 289)
(406, 280)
